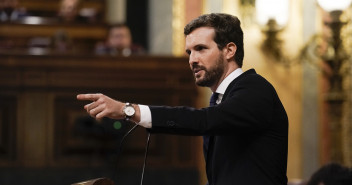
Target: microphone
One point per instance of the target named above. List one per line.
(98, 181)
(145, 158)
(145, 154)
(107, 181)
(121, 144)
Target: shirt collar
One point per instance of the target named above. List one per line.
(226, 82)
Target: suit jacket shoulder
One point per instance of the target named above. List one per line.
(249, 103)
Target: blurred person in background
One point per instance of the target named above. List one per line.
(10, 11)
(68, 10)
(74, 11)
(332, 174)
(118, 42)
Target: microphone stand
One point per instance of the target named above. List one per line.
(107, 181)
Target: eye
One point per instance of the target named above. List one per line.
(199, 48)
(188, 52)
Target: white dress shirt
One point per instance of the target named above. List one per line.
(146, 115)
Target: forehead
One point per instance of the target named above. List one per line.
(202, 35)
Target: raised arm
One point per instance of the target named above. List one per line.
(104, 106)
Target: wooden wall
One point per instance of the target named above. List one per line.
(39, 26)
(44, 128)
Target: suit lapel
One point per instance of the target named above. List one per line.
(233, 83)
(212, 138)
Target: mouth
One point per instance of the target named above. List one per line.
(197, 73)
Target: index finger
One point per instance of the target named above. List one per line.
(91, 97)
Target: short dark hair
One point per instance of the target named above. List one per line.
(227, 29)
(332, 174)
(118, 25)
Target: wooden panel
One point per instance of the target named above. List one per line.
(74, 31)
(8, 114)
(47, 5)
(143, 72)
(27, 34)
(50, 8)
(80, 140)
(68, 137)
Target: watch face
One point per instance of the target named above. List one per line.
(129, 111)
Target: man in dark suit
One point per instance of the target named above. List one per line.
(246, 127)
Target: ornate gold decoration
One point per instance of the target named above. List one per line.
(330, 48)
(247, 11)
(178, 22)
(347, 119)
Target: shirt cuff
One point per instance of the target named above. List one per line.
(146, 116)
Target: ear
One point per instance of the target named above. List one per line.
(230, 50)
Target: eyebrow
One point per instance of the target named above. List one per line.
(197, 46)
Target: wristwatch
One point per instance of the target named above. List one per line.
(129, 111)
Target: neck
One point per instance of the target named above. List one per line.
(227, 72)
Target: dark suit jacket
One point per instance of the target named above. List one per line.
(248, 132)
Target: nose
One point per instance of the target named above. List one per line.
(192, 59)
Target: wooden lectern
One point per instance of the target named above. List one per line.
(98, 181)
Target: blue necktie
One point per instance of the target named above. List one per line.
(213, 99)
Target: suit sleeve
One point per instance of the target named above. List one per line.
(250, 105)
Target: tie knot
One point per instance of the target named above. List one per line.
(213, 98)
